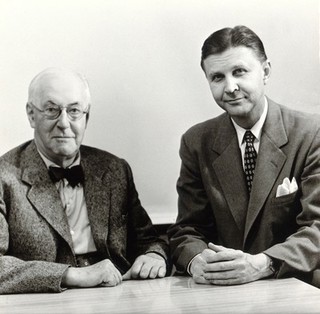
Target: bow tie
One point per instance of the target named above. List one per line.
(74, 175)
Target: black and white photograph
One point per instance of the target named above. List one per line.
(159, 156)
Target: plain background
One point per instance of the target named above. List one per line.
(141, 58)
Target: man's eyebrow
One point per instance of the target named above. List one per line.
(239, 65)
(213, 73)
(53, 103)
(234, 67)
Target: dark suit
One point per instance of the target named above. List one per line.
(35, 242)
(213, 200)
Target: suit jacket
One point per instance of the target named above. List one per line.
(35, 242)
(214, 204)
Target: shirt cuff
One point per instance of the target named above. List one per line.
(189, 265)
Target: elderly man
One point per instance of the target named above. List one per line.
(64, 206)
(249, 186)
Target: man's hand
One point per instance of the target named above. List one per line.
(150, 265)
(199, 264)
(223, 266)
(103, 273)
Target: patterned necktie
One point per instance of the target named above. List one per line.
(250, 156)
(74, 175)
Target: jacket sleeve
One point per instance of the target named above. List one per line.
(142, 235)
(300, 251)
(18, 276)
(194, 227)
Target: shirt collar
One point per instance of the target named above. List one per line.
(256, 129)
(50, 163)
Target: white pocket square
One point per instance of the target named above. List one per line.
(287, 187)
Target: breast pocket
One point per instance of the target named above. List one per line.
(283, 215)
(285, 199)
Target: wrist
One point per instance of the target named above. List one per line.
(69, 278)
(75, 277)
(193, 263)
(262, 265)
(271, 267)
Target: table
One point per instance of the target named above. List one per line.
(172, 295)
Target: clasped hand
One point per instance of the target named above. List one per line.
(223, 266)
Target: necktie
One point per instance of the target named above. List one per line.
(74, 175)
(250, 156)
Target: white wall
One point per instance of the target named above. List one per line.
(141, 58)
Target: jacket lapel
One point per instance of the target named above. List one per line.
(43, 194)
(98, 199)
(269, 162)
(229, 170)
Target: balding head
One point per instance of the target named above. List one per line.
(50, 76)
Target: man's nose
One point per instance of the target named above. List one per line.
(231, 85)
(63, 120)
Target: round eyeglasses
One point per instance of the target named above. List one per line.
(52, 112)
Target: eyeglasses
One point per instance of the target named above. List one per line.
(52, 112)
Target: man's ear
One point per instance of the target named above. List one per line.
(30, 114)
(267, 71)
(87, 115)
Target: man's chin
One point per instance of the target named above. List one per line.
(238, 113)
(66, 152)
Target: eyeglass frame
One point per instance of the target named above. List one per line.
(83, 112)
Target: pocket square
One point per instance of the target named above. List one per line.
(287, 187)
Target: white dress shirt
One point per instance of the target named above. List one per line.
(74, 203)
(256, 131)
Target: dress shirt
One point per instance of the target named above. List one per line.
(256, 131)
(74, 203)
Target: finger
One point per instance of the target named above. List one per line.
(216, 257)
(135, 269)
(118, 276)
(222, 275)
(227, 282)
(154, 272)
(216, 248)
(219, 266)
(162, 271)
(207, 255)
(127, 275)
(228, 255)
(145, 271)
(200, 280)
(110, 281)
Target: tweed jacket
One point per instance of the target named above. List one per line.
(35, 242)
(214, 204)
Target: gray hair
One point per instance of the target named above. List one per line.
(35, 84)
